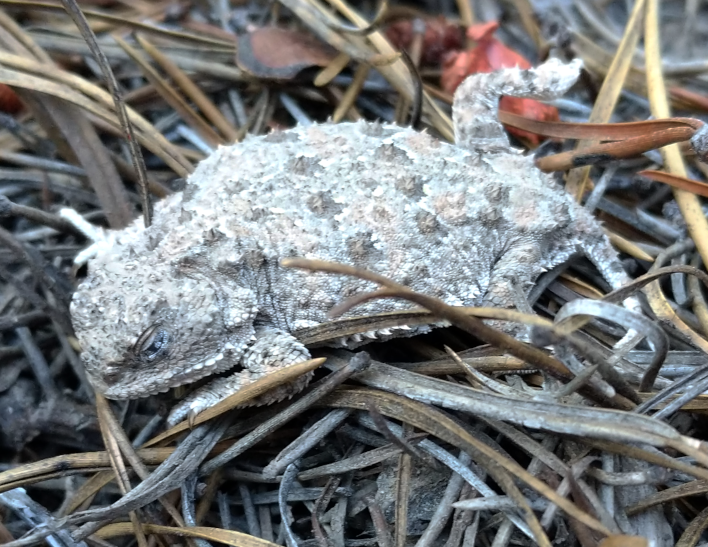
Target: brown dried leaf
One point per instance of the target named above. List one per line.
(277, 53)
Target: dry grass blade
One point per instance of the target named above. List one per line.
(228, 537)
(611, 88)
(108, 427)
(315, 393)
(680, 183)
(437, 423)
(403, 483)
(318, 19)
(174, 99)
(47, 468)
(191, 90)
(136, 154)
(692, 534)
(591, 423)
(72, 133)
(693, 488)
(120, 22)
(52, 81)
(688, 203)
(169, 475)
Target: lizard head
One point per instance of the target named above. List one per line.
(145, 326)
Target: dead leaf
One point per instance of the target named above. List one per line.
(439, 37)
(10, 103)
(280, 54)
(488, 55)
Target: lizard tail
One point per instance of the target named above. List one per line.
(477, 99)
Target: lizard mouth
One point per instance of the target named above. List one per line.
(137, 386)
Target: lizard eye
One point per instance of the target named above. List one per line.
(153, 343)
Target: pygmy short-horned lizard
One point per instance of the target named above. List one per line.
(201, 290)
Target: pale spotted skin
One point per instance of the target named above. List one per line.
(202, 291)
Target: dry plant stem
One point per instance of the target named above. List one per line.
(693, 532)
(171, 96)
(438, 423)
(162, 146)
(118, 436)
(97, 104)
(68, 129)
(119, 470)
(419, 93)
(652, 332)
(657, 299)
(168, 476)
(123, 22)
(8, 208)
(250, 510)
(363, 31)
(135, 153)
(356, 364)
(610, 90)
(38, 364)
(592, 423)
(65, 132)
(677, 394)
(33, 512)
(403, 488)
(688, 203)
(680, 183)
(305, 442)
(444, 509)
(351, 463)
(56, 284)
(693, 488)
(208, 496)
(351, 93)
(314, 15)
(190, 89)
(626, 246)
(400, 442)
(240, 397)
(698, 301)
(228, 537)
(668, 316)
(643, 280)
(285, 484)
(328, 73)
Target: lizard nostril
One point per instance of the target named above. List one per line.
(113, 373)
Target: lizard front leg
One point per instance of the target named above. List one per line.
(273, 350)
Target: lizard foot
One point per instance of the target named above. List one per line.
(272, 351)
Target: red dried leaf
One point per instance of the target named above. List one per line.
(9, 101)
(440, 37)
(490, 54)
(277, 53)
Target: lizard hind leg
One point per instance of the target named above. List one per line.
(273, 350)
(477, 100)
